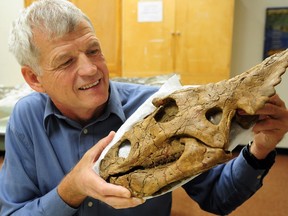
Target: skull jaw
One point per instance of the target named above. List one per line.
(154, 180)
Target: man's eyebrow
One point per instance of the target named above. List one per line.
(94, 43)
(64, 56)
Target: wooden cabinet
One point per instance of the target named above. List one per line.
(193, 39)
(148, 47)
(203, 48)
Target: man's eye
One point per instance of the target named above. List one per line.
(94, 52)
(68, 62)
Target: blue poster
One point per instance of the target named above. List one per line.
(276, 31)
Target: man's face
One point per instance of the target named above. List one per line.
(74, 72)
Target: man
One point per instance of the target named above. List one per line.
(55, 135)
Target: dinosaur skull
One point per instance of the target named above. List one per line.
(189, 130)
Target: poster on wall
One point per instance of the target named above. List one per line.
(276, 31)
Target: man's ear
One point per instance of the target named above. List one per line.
(32, 79)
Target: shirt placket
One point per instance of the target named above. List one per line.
(85, 141)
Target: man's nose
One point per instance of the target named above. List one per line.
(86, 65)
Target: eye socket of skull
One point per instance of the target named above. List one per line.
(167, 111)
(124, 149)
(214, 115)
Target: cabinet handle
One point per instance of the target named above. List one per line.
(178, 33)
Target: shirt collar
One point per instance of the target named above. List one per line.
(114, 105)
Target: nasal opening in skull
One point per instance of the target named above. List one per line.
(214, 115)
(124, 149)
(167, 111)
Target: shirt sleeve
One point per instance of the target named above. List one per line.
(19, 192)
(40, 206)
(225, 187)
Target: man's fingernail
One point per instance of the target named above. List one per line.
(138, 200)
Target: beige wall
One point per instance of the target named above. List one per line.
(248, 39)
(10, 74)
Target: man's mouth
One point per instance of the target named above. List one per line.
(89, 86)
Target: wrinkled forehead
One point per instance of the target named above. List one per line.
(61, 29)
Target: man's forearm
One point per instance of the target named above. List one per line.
(69, 193)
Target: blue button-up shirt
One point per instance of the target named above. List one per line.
(42, 146)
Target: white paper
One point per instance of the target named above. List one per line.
(150, 11)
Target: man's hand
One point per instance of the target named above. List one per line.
(82, 181)
(270, 128)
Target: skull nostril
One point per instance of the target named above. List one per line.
(124, 149)
(214, 115)
(167, 111)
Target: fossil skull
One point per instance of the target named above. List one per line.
(188, 132)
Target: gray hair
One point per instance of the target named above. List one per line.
(53, 17)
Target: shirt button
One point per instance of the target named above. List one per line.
(259, 176)
(90, 204)
(85, 131)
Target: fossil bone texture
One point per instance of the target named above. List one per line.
(188, 132)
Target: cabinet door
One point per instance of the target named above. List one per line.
(147, 45)
(194, 39)
(204, 40)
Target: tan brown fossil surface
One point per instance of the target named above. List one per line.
(188, 132)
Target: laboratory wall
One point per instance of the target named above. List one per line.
(10, 73)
